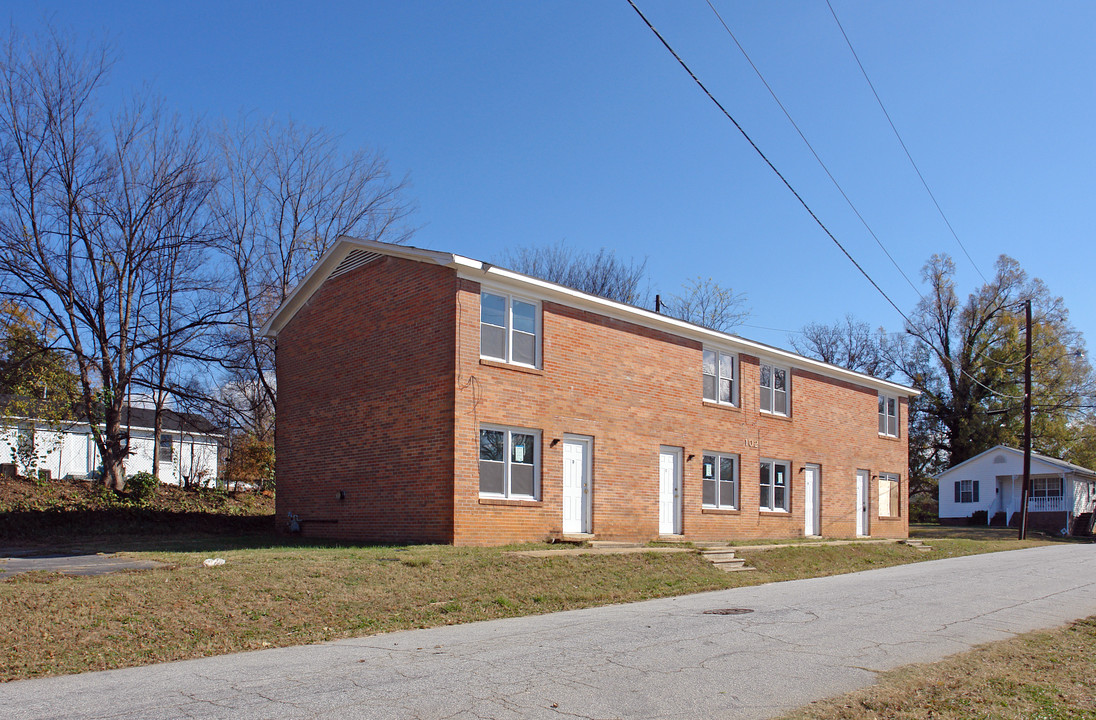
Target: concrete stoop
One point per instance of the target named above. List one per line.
(722, 556)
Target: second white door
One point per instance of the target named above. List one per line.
(812, 481)
(576, 485)
(863, 485)
(669, 491)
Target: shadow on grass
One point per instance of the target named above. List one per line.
(133, 529)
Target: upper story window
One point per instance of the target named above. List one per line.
(888, 415)
(720, 476)
(719, 377)
(509, 328)
(509, 463)
(774, 389)
(774, 485)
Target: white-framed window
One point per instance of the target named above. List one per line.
(509, 462)
(966, 491)
(889, 504)
(774, 389)
(509, 329)
(167, 448)
(1046, 487)
(719, 472)
(888, 415)
(719, 372)
(775, 486)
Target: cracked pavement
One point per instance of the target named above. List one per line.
(805, 640)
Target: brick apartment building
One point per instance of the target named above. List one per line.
(424, 396)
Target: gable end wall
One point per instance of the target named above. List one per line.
(365, 406)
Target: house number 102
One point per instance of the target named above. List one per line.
(752, 443)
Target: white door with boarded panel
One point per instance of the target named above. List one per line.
(576, 485)
(669, 491)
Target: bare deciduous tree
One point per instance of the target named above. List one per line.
(850, 344)
(286, 194)
(84, 209)
(601, 273)
(705, 302)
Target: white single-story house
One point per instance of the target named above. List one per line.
(188, 449)
(992, 481)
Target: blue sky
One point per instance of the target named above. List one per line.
(530, 123)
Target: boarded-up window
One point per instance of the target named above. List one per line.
(889, 497)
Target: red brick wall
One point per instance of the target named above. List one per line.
(633, 389)
(382, 393)
(365, 406)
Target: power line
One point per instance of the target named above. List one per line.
(811, 148)
(766, 159)
(903, 143)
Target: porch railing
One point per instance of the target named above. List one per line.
(1052, 503)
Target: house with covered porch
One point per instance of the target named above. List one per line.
(1061, 497)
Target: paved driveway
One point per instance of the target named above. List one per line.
(14, 562)
(658, 659)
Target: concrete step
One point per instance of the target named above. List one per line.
(718, 555)
(710, 545)
(733, 566)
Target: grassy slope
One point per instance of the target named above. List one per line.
(1044, 675)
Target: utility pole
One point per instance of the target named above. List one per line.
(1027, 426)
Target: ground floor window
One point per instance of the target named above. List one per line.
(509, 462)
(720, 476)
(966, 491)
(888, 495)
(1046, 487)
(774, 485)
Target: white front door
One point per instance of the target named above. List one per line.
(812, 519)
(669, 491)
(863, 484)
(576, 485)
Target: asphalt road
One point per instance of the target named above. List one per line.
(13, 562)
(804, 640)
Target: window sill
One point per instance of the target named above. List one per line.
(774, 513)
(510, 366)
(892, 438)
(719, 511)
(510, 502)
(721, 406)
(775, 416)
(889, 519)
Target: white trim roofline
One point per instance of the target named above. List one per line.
(1060, 464)
(477, 270)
